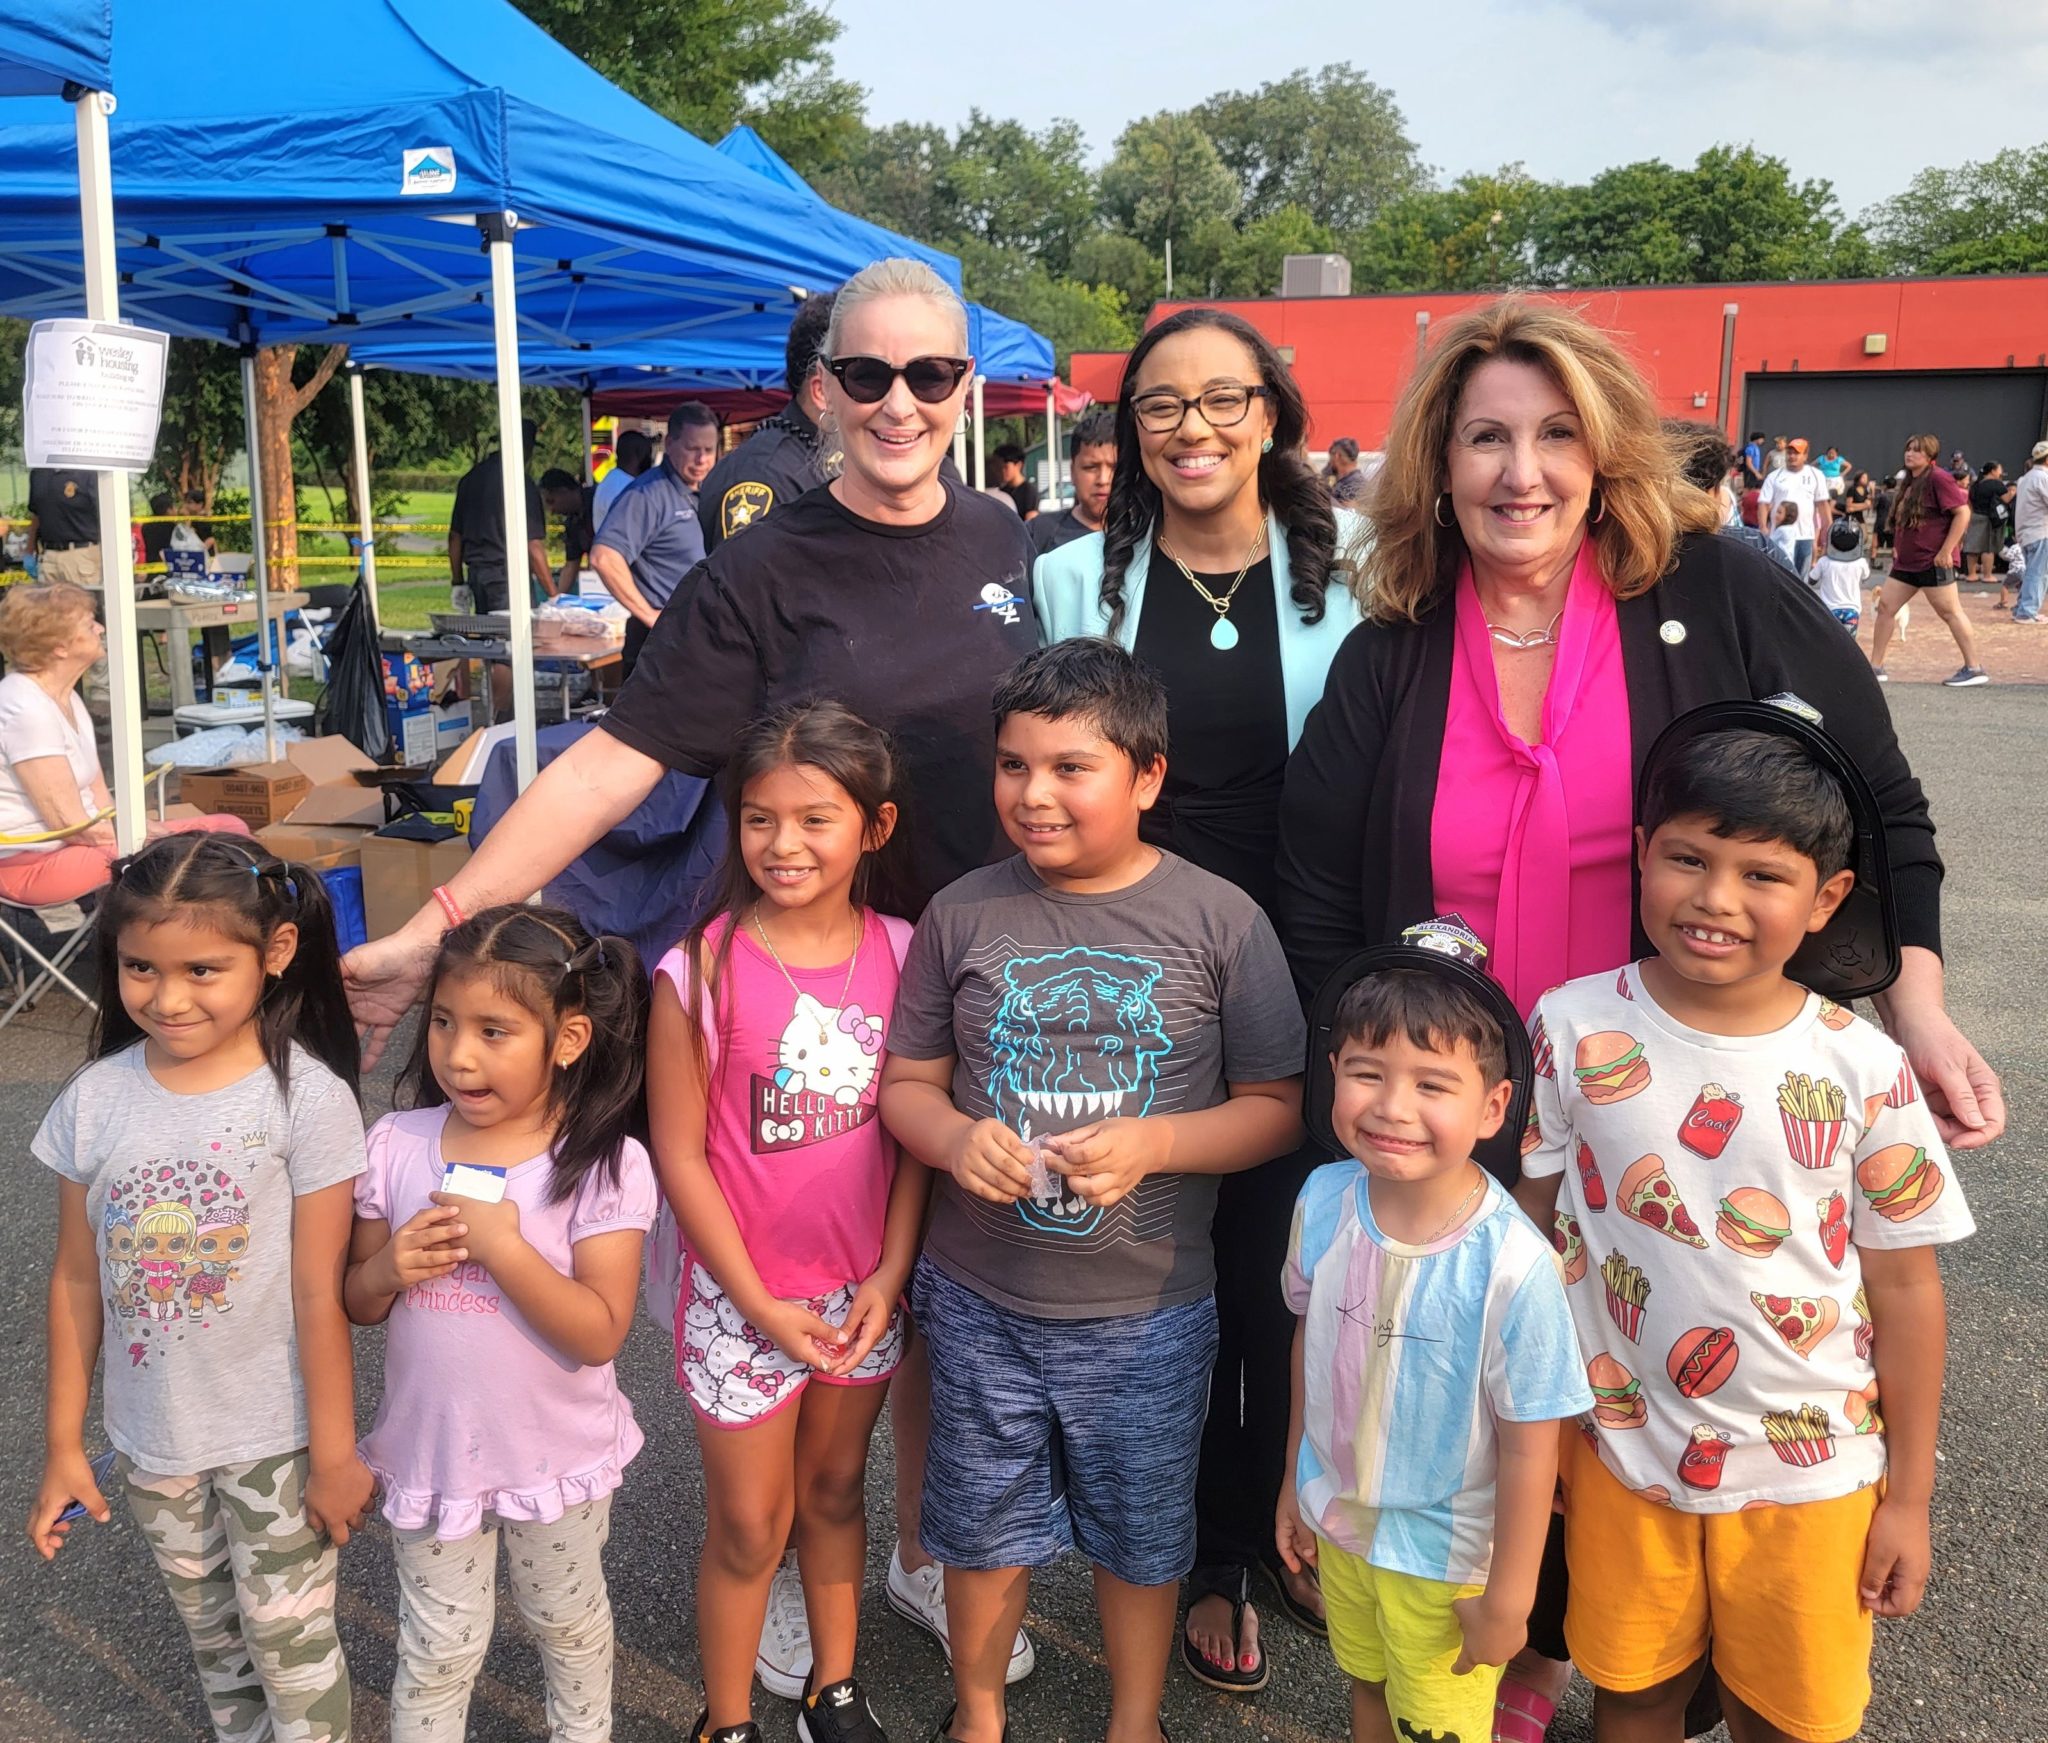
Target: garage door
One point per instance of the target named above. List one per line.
(1989, 414)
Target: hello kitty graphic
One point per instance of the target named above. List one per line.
(823, 1084)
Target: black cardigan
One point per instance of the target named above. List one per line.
(1361, 786)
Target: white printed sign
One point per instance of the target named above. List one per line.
(93, 395)
(429, 169)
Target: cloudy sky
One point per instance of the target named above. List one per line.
(1863, 92)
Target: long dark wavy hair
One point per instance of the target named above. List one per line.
(823, 735)
(1288, 485)
(242, 890)
(543, 958)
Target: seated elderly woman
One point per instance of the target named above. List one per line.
(50, 779)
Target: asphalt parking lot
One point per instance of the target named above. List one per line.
(90, 1651)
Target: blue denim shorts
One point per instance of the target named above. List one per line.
(1057, 1434)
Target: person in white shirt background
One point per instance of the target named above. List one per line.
(2030, 530)
(1805, 487)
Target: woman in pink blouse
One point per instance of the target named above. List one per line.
(1546, 595)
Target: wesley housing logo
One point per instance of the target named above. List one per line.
(429, 169)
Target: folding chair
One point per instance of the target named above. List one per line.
(43, 949)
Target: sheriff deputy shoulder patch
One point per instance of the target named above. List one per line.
(743, 505)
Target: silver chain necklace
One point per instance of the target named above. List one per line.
(859, 926)
(1522, 640)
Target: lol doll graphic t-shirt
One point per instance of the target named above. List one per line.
(190, 1200)
(1063, 1009)
(790, 1127)
(1716, 1190)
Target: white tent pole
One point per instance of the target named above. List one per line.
(259, 539)
(1052, 443)
(980, 438)
(960, 446)
(512, 458)
(117, 551)
(359, 431)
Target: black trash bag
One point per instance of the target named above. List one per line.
(354, 703)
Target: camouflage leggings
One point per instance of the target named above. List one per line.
(254, 1584)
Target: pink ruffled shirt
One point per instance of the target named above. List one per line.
(1533, 843)
(481, 1415)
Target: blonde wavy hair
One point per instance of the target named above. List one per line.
(1413, 560)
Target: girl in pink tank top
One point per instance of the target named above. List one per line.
(798, 1229)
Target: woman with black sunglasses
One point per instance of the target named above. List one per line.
(1224, 566)
(893, 590)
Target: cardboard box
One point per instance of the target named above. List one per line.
(464, 767)
(345, 785)
(323, 846)
(452, 726)
(399, 877)
(258, 793)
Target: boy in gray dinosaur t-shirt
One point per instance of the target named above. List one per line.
(1086, 1036)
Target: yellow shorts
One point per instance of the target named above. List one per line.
(1400, 1630)
(1772, 1588)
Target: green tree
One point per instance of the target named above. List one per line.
(707, 64)
(1165, 179)
(202, 425)
(1073, 315)
(1477, 234)
(1978, 217)
(1013, 188)
(1109, 257)
(897, 176)
(1735, 215)
(1249, 264)
(1331, 143)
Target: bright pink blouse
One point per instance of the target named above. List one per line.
(1532, 843)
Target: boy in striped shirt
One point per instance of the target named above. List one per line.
(1434, 1354)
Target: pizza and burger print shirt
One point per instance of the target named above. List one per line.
(1716, 1190)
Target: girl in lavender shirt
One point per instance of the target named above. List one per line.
(498, 1231)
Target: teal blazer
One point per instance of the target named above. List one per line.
(1066, 586)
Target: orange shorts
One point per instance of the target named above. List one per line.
(1773, 1589)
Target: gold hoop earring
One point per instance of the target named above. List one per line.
(1441, 519)
(1600, 514)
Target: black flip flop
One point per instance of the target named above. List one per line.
(1297, 1612)
(1205, 1669)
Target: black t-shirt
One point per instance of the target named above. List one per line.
(1024, 494)
(910, 627)
(1050, 531)
(66, 505)
(1226, 722)
(479, 515)
(769, 470)
(1987, 498)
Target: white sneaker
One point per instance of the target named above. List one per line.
(920, 1597)
(783, 1663)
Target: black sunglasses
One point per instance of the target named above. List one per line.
(931, 380)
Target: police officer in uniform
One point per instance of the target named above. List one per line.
(781, 459)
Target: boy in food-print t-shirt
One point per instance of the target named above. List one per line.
(1752, 1189)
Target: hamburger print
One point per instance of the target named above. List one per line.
(1899, 1181)
(1753, 1222)
(1610, 1067)
(1617, 1394)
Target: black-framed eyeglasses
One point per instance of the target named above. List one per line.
(1221, 407)
(931, 380)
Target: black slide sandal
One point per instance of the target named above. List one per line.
(1297, 1612)
(1205, 1669)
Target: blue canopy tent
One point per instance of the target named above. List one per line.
(482, 183)
(65, 50)
(747, 355)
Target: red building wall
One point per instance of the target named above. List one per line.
(1352, 354)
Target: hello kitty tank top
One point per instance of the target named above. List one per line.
(790, 1125)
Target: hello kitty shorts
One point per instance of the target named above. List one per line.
(734, 1375)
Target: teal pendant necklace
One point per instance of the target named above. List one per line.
(1223, 633)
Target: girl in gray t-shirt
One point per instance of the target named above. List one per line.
(204, 1206)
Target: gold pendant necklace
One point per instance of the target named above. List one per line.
(1223, 634)
(1450, 1222)
(853, 962)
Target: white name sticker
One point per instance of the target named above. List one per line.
(469, 1180)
